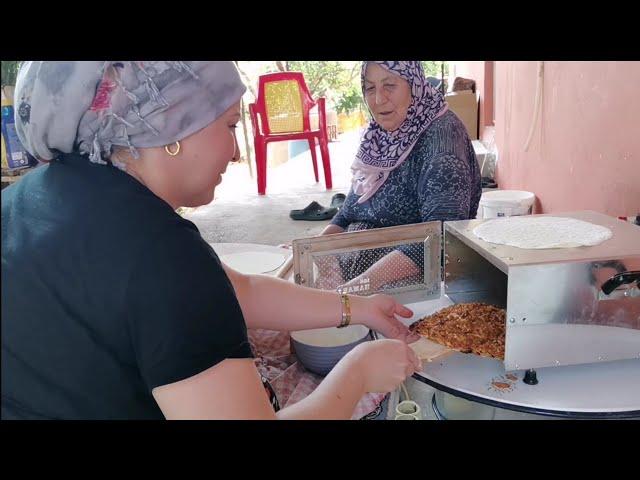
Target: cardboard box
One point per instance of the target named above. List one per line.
(465, 105)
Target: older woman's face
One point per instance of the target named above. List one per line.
(387, 95)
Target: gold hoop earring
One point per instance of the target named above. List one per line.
(173, 154)
(235, 147)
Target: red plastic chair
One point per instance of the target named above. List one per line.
(281, 112)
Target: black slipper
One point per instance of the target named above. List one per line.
(338, 199)
(313, 211)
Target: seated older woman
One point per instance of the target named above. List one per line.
(415, 164)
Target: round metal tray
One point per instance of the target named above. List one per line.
(606, 390)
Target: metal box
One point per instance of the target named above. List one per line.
(565, 306)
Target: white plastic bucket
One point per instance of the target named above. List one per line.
(506, 203)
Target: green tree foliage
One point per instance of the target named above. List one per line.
(9, 72)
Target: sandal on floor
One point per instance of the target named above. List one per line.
(337, 200)
(313, 211)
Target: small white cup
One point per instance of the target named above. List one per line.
(406, 417)
(409, 407)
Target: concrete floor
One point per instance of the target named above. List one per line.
(239, 214)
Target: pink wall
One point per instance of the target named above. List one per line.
(585, 151)
(487, 112)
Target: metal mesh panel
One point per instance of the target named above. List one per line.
(371, 270)
(402, 261)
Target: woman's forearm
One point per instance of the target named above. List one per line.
(332, 228)
(275, 304)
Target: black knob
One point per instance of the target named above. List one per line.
(530, 377)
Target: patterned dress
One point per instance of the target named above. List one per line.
(440, 180)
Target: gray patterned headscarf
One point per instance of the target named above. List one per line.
(90, 107)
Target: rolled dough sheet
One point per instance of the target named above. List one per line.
(542, 232)
(427, 350)
(254, 262)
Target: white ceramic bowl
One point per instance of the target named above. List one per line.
(320, 349)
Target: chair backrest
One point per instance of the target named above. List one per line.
(283, 103)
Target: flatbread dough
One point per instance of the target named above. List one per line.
(542, 232)
(428, 350)
(254, 262)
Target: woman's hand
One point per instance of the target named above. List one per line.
(378, 312)
(383, 364)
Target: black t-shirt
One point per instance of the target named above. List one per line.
(106, 294)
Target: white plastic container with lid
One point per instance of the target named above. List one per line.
(505, 203)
